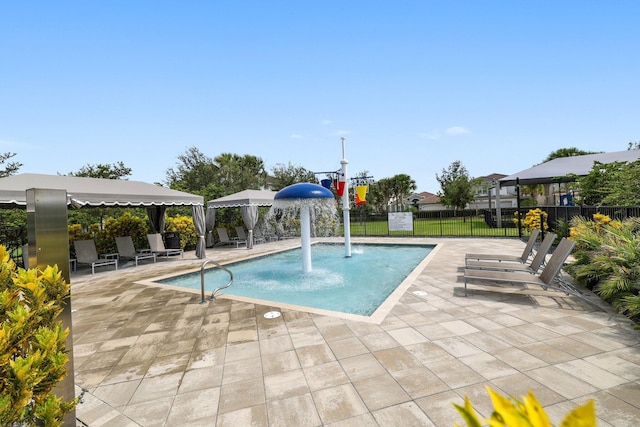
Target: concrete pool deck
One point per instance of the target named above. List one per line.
(153, 356)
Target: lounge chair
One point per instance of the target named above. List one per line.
(86, 253)
(260, 237)
(126, 250)
(157, 246)
(241, 235)
(538, 260)
(225, 240)
(550, 277)
(526, 253)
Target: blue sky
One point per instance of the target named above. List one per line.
(411, 85)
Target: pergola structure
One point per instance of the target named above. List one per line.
(248, 201)
(100, 192)
(566, 169)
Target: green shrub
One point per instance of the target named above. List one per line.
(607, 260)
(33, 356)
(104, 237)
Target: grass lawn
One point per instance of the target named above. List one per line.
(450, 227)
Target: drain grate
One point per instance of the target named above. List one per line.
(272, 314)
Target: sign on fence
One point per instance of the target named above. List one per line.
(400, 221)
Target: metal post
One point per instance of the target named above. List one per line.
(498, 207)
(345, 204)
(48, 236)
(518, 207)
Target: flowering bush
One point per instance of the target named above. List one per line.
(134, 226)
(526, 413)
(535, 218)
(33, 356)
(184, 225)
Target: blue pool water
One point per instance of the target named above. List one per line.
(356, 285)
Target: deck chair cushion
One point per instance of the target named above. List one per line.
(157, 246)
(126, 250)
(86, 253)
(526, 253)
(225, 240)
(538, 260)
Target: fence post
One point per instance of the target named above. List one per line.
(518, 207)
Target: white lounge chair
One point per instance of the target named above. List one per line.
(550, 277)
(538, 260)
(526, 253)
(225, 240)
(126, 250)
(86, 253)
(157, 246)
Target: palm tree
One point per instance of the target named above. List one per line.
(401, 186)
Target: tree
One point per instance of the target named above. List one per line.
(456, 186)
(237, 173)
(195, 173)
(380, 194)
(210, 178)
(285, 175)
(532, 191)
(226, 174)
(567, 152)
(400, 186)
(106, 171)
(611, 184)
(10, 168)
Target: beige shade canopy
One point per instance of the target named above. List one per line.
(95, 192)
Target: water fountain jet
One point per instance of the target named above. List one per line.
(303, 197)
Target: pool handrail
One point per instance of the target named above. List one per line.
(216, 290)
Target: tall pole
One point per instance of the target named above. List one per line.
(305, 236)
(345, 204)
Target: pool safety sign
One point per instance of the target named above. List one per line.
(400, 221)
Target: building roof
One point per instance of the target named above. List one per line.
(425, 198)
(565, 169)
(83, 191)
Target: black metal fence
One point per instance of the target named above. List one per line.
(480, 223)
(13, 238)
(444, 223)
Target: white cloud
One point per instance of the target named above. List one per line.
(325, 122)
(341, 132)
(457, 130)
(295, 136)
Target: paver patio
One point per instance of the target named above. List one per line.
(153, 356)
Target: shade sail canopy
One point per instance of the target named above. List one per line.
(565, 169)
(95, 192)
(244, 198)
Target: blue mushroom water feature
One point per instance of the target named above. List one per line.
(305, 198)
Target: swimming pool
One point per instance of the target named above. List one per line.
(356, 285)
